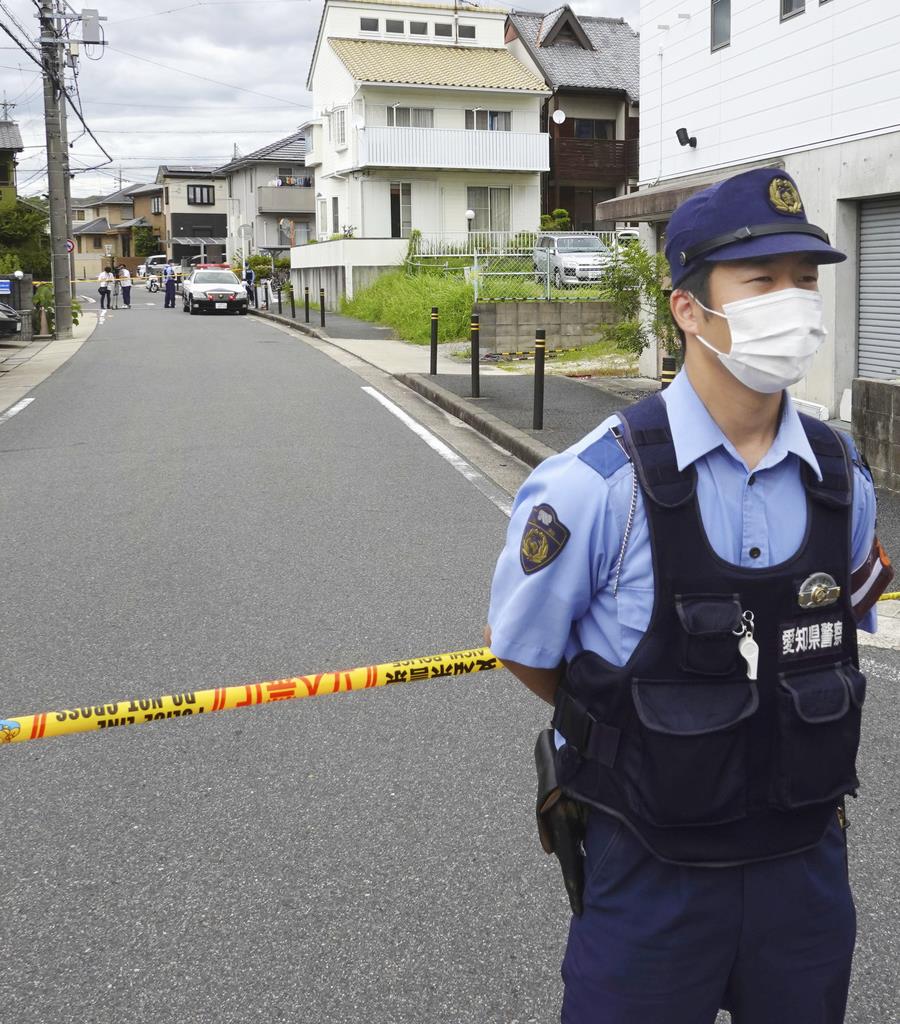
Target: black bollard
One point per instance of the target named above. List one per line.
(474, 339)
(279, 302)
(540, 345)
(669, 368)
(306, 302)
(434, 334)
(322, 307)
(293, 306)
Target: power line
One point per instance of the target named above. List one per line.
(205, 3)
(203, 78)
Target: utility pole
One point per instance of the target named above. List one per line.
(57, 164)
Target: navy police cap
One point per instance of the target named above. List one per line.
(757, 213)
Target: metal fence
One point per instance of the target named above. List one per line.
(503, 266)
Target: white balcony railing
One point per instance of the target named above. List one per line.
(454, 149)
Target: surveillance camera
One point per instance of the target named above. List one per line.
(684, 139)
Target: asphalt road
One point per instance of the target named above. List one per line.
(199, 501)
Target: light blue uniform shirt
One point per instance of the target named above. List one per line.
(569, 605)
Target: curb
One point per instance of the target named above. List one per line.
(513, 440)
(523, 446)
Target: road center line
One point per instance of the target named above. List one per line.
(18, 407)
(492, 493)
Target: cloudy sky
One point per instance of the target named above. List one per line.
(183, 81)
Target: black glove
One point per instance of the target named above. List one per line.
(561, 821)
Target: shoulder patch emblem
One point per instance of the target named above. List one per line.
(784, 196)
(542, 540)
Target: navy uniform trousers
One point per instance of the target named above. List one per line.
(663, 944)
(170, 293)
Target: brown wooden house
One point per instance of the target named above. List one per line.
(593, 67)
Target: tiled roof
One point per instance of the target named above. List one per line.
(78, 204)
(614, 63)
(93, 227)
(371, 60)
(189, 170)
(292, 148)
(10, 138)
(143, 190)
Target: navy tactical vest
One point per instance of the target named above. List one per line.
(706, 765)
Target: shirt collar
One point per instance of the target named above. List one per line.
(695, 433)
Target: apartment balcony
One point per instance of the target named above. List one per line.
(285, 199)
(609, 161)
(454, 149)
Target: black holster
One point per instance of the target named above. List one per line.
(561, 821)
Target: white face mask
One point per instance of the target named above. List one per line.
(774, 337)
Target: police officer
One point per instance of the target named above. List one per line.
(680, 586)
(169, 281)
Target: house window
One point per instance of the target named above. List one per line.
(5, 173)
(465, 31)
(156, 204)
(442, 28)
(285, 172)
(418, 28)
(201, 195)
(491, 208)
(166, 190)
(79, 215)
(126, 245)
(410, 117)
(489, 120)
(791, 7)
(323, 216)
(339, 127)
(368, 24)
(98, 242)
(721, 24)
(593, 128)
(401, 209)
(393, 26)
(335, 216)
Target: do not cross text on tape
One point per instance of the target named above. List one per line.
(139, 711)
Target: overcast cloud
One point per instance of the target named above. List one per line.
(146, 115)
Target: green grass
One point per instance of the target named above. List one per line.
(404, 302)
(580, 355)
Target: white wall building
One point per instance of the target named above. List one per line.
(422, 114)
(812, 86)
(195, 211)
(270, 194)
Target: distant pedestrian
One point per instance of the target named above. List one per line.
(105, 279)
(249, 278)
(125, 281)
(169, 279)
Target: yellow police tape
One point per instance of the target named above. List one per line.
(21, 728)
(892, 596)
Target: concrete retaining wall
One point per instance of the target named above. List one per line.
(510, 326)
(876, 428)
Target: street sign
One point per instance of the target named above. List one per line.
(5, 287)
(70, 245)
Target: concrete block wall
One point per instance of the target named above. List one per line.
(510, 326)
(876, 428)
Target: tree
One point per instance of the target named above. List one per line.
(559, 220)
(145, 242)
(633, 284)
(23, 237)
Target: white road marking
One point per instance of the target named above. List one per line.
(456, 461)
(18, 407)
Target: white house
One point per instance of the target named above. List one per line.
(422, 114)
(809, 85)
(270, 196)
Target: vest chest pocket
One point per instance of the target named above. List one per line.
(685, 761)
(710, 624)
(819, 717)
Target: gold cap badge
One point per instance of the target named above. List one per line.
(783, 195)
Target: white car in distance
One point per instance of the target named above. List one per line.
(213, 291)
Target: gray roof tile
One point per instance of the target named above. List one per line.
(10, 138)
(291, 148)
(614, 63)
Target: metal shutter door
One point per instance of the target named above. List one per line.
(879, 288)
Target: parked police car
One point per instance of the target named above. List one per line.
(213, 290)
